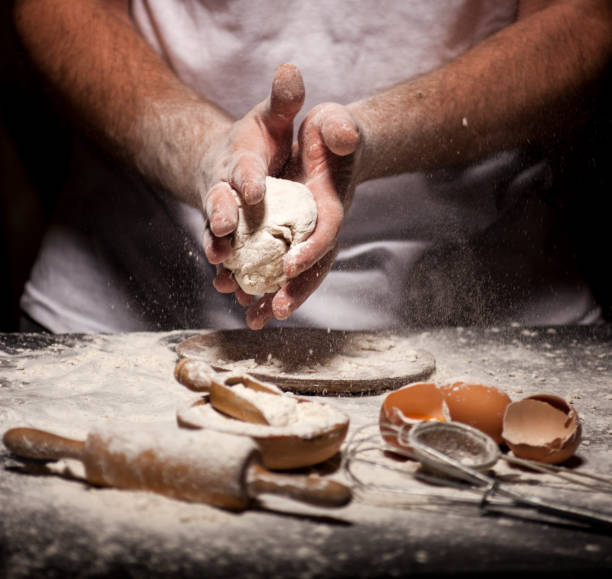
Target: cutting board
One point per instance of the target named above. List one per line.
(314, 361)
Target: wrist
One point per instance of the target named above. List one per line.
(177, 138)
(389, 130)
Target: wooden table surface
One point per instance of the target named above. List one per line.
(52, 525)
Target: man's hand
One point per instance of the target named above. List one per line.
(235, 167)
(324, 159)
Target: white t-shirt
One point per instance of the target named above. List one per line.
(463, 245)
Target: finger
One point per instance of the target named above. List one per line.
(303, 256)
(248, 176)
(221, 209)
(260, 313)
(290, 297)
(244, 299)
(329, 128)
(217, 249)
(286, 97)
(224, 282)
(317, 164)
(339, 131)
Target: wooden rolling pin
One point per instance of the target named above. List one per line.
(198, 466)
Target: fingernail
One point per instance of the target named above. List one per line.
(282, 312)
(282, 306)
(253, 193)
(221, 225)
(256, 324)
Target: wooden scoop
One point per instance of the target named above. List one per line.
(199, 466)
(201, 377)
(224, 398)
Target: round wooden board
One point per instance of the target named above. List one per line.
(314, 361)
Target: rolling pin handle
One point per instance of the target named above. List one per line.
(40, 445)
(309, 489)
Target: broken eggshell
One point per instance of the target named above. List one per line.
(409, 405)
(477, 405)
(543, 427)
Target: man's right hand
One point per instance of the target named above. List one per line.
(235, 167)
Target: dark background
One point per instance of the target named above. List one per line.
(35, 146)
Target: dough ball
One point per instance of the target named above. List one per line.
(267, 231)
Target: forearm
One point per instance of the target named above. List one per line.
(119, 89)
(527, 83)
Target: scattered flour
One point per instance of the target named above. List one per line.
(278, 410)
(59, 524)
(287, 417)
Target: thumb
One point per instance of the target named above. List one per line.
(339, 131)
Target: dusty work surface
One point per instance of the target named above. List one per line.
(51, 525)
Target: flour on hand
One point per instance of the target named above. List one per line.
(267, 231)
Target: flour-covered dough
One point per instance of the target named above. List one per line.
(267, 231)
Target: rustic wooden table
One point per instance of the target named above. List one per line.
(54, 525)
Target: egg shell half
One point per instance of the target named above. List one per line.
(542, 427)
(407, 406)
(478, 405)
